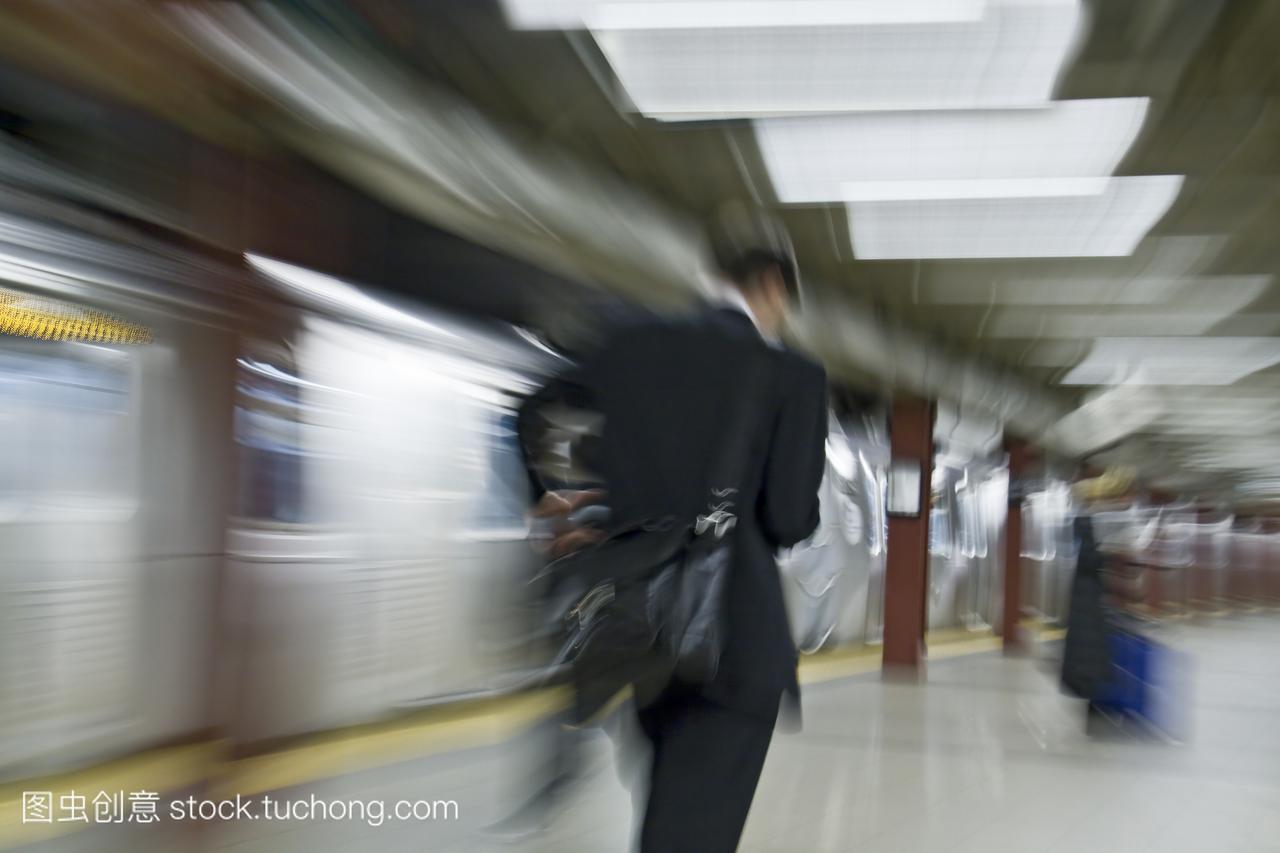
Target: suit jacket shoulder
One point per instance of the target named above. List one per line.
(801, 368)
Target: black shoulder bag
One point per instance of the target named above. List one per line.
(647, 602)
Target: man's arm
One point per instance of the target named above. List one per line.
(789, 510)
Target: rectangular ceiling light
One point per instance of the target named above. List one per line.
(1174, 361)
(1038, 323)
(1157, 257)
(1192, 312)
(687, 14)
(1110, 224)
(1232, 426)
(1012, 56)
(1239, 427)
(1198, 409)
(697, 14)
(1143, 290)
(1066, 146)
(1194, 408)
(943, 189)
(1053, 291)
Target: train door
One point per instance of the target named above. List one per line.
(274, 615)
(69, 535)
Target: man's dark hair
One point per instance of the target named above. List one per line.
(747, 242)
(745, 271)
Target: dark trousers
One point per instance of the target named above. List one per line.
(706, 762)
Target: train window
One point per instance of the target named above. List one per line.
(268, 432)
(64, 415)
(506, 493)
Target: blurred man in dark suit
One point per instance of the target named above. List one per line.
(663, 389)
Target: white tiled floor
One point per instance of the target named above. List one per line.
(985, 756)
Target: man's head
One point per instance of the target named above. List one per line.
(753, 251)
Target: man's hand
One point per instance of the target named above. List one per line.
(552, 515)
(574, 540)
(552, 505)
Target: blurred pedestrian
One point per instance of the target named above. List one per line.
(1087, 666)
(662, 389)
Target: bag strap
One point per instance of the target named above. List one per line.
(729, 463)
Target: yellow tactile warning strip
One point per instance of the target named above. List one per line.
(322, 756)
(159, 770)
(1043, 631)
(839, 663)
(445, 729)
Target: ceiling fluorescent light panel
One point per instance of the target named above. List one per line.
(1011, 56)
(1078, 292)
(1174, 361)
(696, 14)
(1110, 224)
(1032, 323)
(1064, 148)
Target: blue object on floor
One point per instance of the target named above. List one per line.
(1151, 683)
(1129, 692)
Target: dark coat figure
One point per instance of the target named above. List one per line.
(1086, 659)
(663, 389)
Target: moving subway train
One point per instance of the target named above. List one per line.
(269, 522)
(115, 483)
(311, 513)
(380, 511)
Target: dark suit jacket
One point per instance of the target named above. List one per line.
(663, 388)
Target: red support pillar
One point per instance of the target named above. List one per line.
(1011, 615)
(907, 560)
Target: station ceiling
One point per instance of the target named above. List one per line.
(1182, 315)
